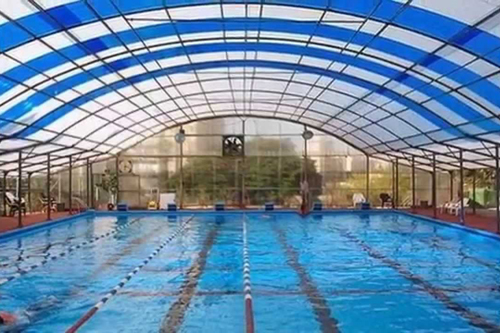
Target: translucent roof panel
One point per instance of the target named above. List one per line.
(398, 79)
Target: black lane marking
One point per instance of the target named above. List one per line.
(479, 261)
(308, 287)
(299, 292)
(437, 242)
(175, 315)
(475, 319)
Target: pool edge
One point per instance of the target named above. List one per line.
(41, 225)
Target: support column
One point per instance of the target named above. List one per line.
(397, 182)
(367, 178)
(474, 192)
(497, 178)
(243, 169)
(305, 198)
(92, 194)
(434, 197)
(70, 185)
(4, 193)
(393, 194)
(117, 162)
(214, 180)
(413, 198)
(181, 185)
(462, 212)
(305, 160)
(20, 190)
(29, 192)
(451, 186)
(87, 178)
(49, 198)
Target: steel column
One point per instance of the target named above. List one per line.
(305, 197)
(451, 186)
(214, 180)
(474, 192)
(181, 185)
(87, 178)
(20, 190)
(4, 193)
(413, 198)
(49, 199)
(367, 178)
(397, 182)
(29, 192)
(393, 190)
(434, 197)
(497, 178)
(462, 212)
(305, 158)
(92, 194)
(243, 168)
(117, 167)
(70, 185)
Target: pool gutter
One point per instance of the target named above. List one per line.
(48, 224)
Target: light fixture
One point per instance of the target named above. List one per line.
(307, 134)
(181, 136)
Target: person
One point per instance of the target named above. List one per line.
(385, 198)
(13, 322)
(304, 189)
(7, 318)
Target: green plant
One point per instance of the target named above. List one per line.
(109, 181)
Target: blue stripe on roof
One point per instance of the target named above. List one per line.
(449, 101)
(242, 63)
(442, 66)
(413, 18)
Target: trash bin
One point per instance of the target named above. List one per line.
(60, 206)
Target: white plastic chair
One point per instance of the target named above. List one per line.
(455, 208)
(358, 198)
(447, 205)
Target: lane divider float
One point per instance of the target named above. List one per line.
(247, 284)
(51, 257)
(126, 279)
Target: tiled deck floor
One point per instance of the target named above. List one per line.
(478, 221)
(10, 223)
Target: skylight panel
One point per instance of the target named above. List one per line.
(291, 13)
(29, 51)
(466, 11)
(195, 12)
(411, 38)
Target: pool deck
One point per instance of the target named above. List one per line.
(8, 223)
(481, 222)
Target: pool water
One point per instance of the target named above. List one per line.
(335, 272)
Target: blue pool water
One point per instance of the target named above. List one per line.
(347, 272)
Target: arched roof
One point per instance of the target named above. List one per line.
(397, 79)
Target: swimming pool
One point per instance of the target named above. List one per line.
(333, 272)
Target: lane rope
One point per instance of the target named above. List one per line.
(126, 279)
(247, 284)
(52, 257)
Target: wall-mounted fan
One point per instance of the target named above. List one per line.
(233, 145)
(125, 166)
